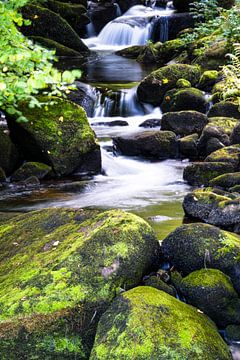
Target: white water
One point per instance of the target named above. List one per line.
(133, 28)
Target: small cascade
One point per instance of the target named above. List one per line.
(91, 30)
(163, 24)
(119, 12)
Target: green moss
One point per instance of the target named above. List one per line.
(228, 154)
(208, 78)
(145, 323)
(28, 169)
(224, 123)
(182, 83)
(61, 50)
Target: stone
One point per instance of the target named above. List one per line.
(31, 169)
(184, 99)
(184, 123)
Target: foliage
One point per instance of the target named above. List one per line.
(231, 73)
(26, 69)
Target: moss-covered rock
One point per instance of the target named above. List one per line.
(225, 124)
(188, 147)
(145, 323)
(208, 80)
(212, 138)
(193, 246)
(31, 169)
(212, 292)
(42, 20)
(183, 84)
(60, 269)
(214, 207)
(228, 154)
(235, 136)
(157, 283)
(9, 155)
(59, 136)
(184, 122)
(60, 49)
(232, 333)
(150, 144)
(184, 99)
(131, 52)
(226, 181)
(214, 56)
(200, 173)
(225, 109)
(170, 49)
(153, 88)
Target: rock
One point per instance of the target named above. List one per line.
(212, 292)
(151, 123)
(61, 50)
(200, 173)
(232, 333)
(10, 158)
(228, 154)
(2, 175)
(31, 169)
(208, 79)
(85, 96)
(102, 13)
(226, 181)
(61, 32)
(184, 99)
(212, 139)
(157, 283)
(183, 84)
(194, 246)
(30, 182)
(188, 147)
(153, 87)
(59, 136)
(184, 122)
(225, 109)
(143, 323)
(131, 52)
(170, 49)
(224, 124)
(213, 207)
(214, 56)
(111, 123)
(155, 144)
(235, 136)
(60, 269)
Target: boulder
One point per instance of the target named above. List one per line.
(145, 323)
(153, 87)
(212, 138)
(232, 333)
(41, 25)
(226, 181)
(194, 246)
(60, 49)
(31, 169)
(157, 283)
(188, 147)
(224, 124)
(228, 154)
(200, 173)
(60, 270)
(208, 79)
(235, 136)
(212, 292)
(101, 13)
(213, 207)
(214, 56)
(184, 99)
(184, 122)
(59, 136)
(9, 155)
(225, 109)
(152, 144)
(151, 123)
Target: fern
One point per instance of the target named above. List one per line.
(231, 75)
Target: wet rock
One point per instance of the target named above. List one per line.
(188, 147)
(29, 183)
(157, 283)
(111, 123)
(212, 292)
(150, 144)
(153, 88)
(151, 123)
(232, 333)
(184, 99)
(215, 208)
(224, 124)
(31, 169)
(208, 79)
(9, 154)
(225, 109)
(184, 122)
(194, 246)
(84, 96)
(143, 323)
(200, 173)
(228, 154)
(235, 136)
(60, 137)
(60, 49)
(212, 139)
(101, 14)
(226, 181)
(60, 270)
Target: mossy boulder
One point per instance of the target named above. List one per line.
(9, 154)
(228, 154)
(153, 87)
(42, 20)
(74, 14)
(183, 84)
(60, 49)
(232, 333)
(151, 144)
(225, 109)
(188, 147)
(59, 136)
(214, 207)
(157, 283)
(170, 49)
(131, 52)
(226, 181)
(212, 138)
(235, 136)
(184, 122)
(145, 323)
(200, 173)
(193, 246)
(184, 99)
(31, 169)
(225, 124)
(60, 269)
(212, 292)
(208, 79)
(214, 56)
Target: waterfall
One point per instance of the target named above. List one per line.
(163, 20)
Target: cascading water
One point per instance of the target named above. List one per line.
(163, 20)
